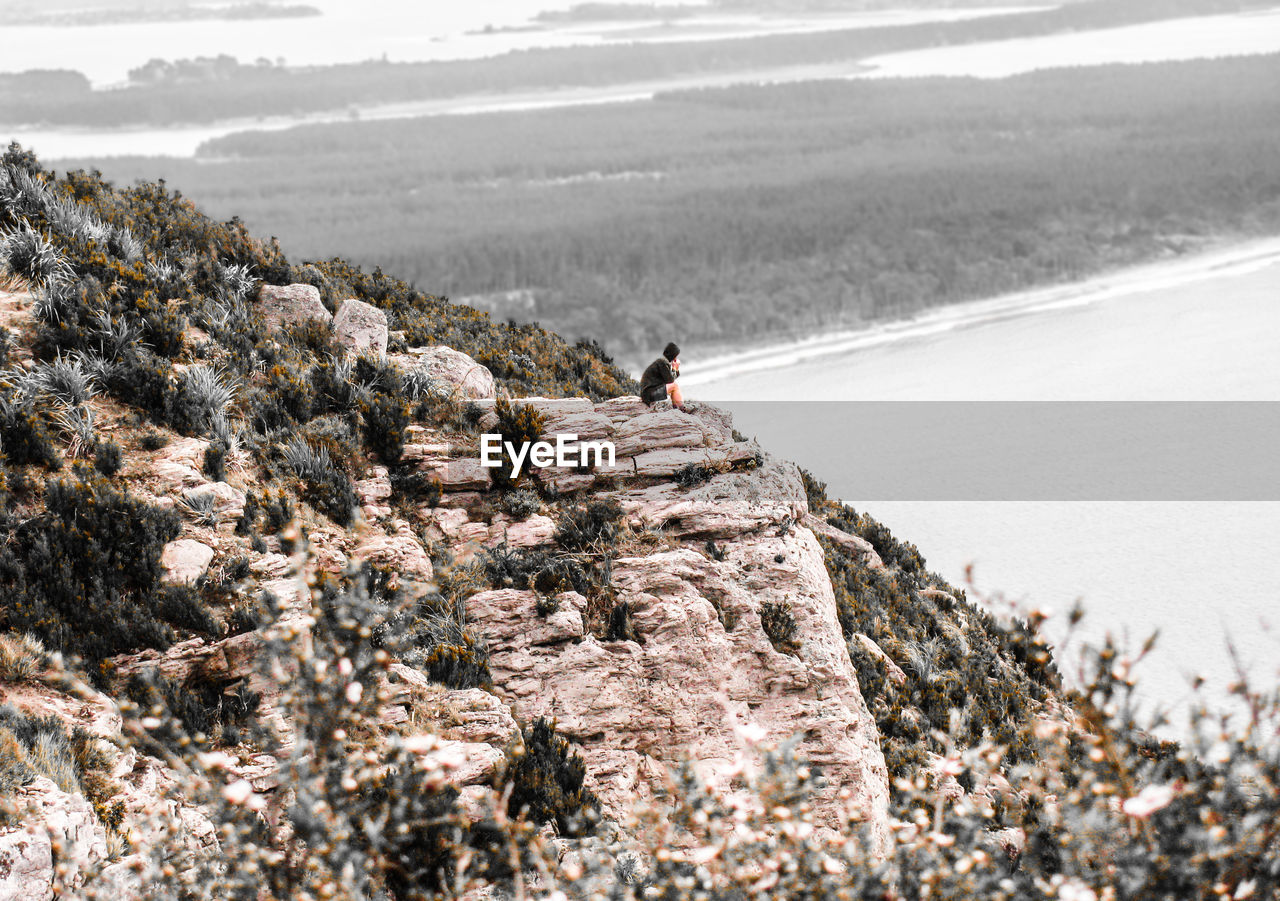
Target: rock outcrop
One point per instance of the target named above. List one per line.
(281, 305)
(705, 680)
(58, 843)
(361, 327)
(467, 378)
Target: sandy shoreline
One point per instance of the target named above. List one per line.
(1236, 258)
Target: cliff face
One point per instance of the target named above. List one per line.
(701, 678)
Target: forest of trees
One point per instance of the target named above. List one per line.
(251, 90)
(756, 213)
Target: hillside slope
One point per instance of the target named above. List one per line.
(299, 642)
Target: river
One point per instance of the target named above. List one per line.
(1204, 572)
(399, 30)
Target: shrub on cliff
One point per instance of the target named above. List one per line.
(546, 780)
(83, 575)
(587, 526)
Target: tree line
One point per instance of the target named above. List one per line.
(750, 213)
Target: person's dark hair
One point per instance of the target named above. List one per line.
(671, 351)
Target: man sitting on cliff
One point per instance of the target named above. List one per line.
(659, 380)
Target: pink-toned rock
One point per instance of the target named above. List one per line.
(532, 532)
(401, 553)
(730, 504)
(705, 678)
(563, 479)
(852, 543)
(376, 488)
(185, 560)
(282, 305)
(651, 431)
(512, 622)
(468, 378)
(227, 499)
(895, 671)
(670, 460)
(461, 714)
(361, 327)
(56, 825)
(548, 406)
(587, 426)
(620, 409)
(459, 474)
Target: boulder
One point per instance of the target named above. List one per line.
(620, 409)
(185, 560)
(444, 364)
(458, 475)
(549, 406)
(361, 326)
(26, 865)
(401, 553)
(670, 460)
(282, 305)
(512, 622)
(460, 714)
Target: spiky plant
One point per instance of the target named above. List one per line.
(73, 221)
(22, 194)
(419, 384)
(239, 280)
(124, 245)
(79, 425)
(68, 380)
(31, 255)
(53, 303)
(115, 334)
(199, 505)
(210, 390)
(311, 463)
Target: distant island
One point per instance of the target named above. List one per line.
(132, 15)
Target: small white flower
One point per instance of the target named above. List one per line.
(150, 722)
(215, 760)
(344, 666)
(419, 744)
(1076, 891)
(1148, 801)
(238, 792)
(1245, 890)
(752, 733)
(355, 691)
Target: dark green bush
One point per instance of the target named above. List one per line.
(84, 574)
(779, 624)
(385, 418)
(546, 781)
(521, 504)
(584, 527)
(534, 569)
(693, 474)
(208, 714)
(621, 626)
(25, 438)
(107, 458)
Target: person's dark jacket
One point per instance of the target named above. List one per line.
(654, 381)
